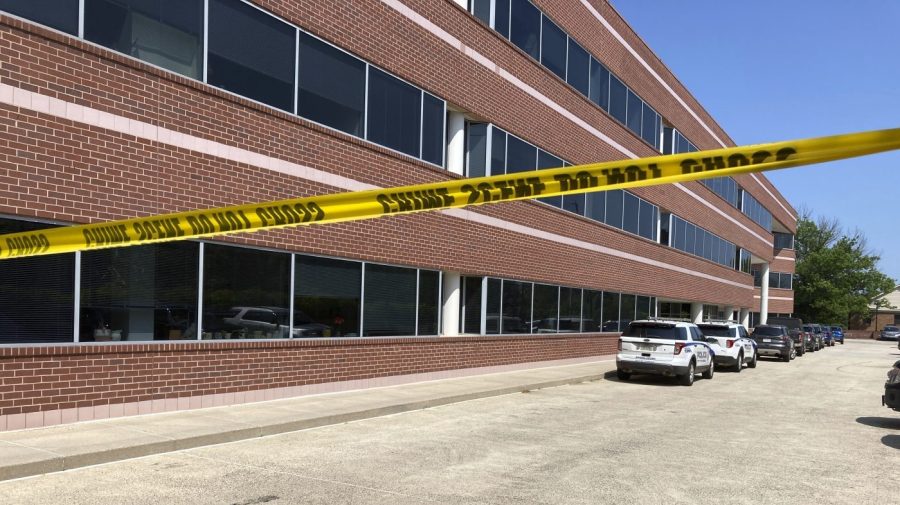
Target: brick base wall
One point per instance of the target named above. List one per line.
(38, 378)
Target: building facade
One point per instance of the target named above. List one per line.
(113, 109)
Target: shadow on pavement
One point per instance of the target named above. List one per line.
(890, 423)
(891, 441)
(645, 379)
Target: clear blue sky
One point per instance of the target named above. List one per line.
(780, 70)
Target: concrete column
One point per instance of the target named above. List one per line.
(745, 318)
(451, 298)
(697, 313)
(764, 295)
(456, 147)
(729, 312)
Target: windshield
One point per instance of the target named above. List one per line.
(768, 331)
(891, 328)
(715, 331)
(661, 331)
(836, 328)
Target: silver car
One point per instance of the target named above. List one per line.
(890, 333)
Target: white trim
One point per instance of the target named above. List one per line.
(362, 297)
(482, 330)
(722, 213)
(200, 292)
(418, 288)
(775, 297)
(205, 44)
(80, 22)
(785, 258)
(296, 70)
(291, 299)
(76, 298)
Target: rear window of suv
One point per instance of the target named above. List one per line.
(769, 331)
(715, 331)
(661, 331)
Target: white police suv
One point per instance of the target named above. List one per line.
(664, 347)
(731, 343)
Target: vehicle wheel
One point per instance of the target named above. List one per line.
(740, 363)
(623, 375)
(752, 363)
(708, 374)
(786, 357)
(802, 351)
(793, 353)
(688, 378)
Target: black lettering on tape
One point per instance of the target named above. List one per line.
(785, 153)
(761, 157)
(713, 163)
(738, 160)
(613, 175)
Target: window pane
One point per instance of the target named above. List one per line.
(680, 234)
(140, 293)
(610, 311)
(707, 245)
(647, 220)
(433, 129)
(547, 160)
(262, 70)
(394, 113)
(36, 294)
(546, 306)
(389, 306)
(614, 207)
(618, 98)
(525, 27)
(429, 302)
(332, 86)
(498, 151)
(596, 205)
(632, 207)
(245, 293)
(690, 238)
(501, 17)
(574, 203)
(668, 142)
(471, 316)
(648, 125)
(592, 315)
(520, 155)
(553, 48)
(516, 307)
(599, 93)
(476, 149)
(569, 310)
(326, 297)
(578, 70)
(492, 321)
(166, 33)
(635, 112)
(482, 10)
(664, 236)
(59, 14)
(642, 310)
(627, 310)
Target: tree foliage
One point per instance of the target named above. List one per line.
(837, 276)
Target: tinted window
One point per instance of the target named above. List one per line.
(390, 301)
(599, 92)
(627, 307)
(647, 220)
(429, 302)
(520, 155)
(498, 151)
(482, 10)
(618, 99)
(614, 207)
(476, 149)
(59, 14)
(642, 307)
(610, 311)
(332, 86)
(715, 330)
(570, 310)
(492, 307)
(394, 113)
(516, 307)
(501, 17)
(546, 306)
(649, 126)
(327, 291)
(553, 48)
(596, 205)
(768, 331)
(690, 238)
(592, 310)
(578, 72)
(433, 129)
(632, 207)
(471, 313)
(680, 234)
(660, 331)
(635, 113)
(166, 33)
(525, 27)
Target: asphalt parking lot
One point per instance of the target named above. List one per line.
(809, 431)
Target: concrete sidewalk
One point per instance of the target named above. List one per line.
(42, 450)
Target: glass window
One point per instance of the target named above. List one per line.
(36, 294)
(649, 126)
(647, 220)
(237, 284)
(783, 240)
(471, 310)
(547, 160)
(668, 140)
(481, 9)
(642, 308)
(516, 307)
(690, 239)
(627, 310)
(596, 205)
(664, 229)
(570, 311)
(332, 86)
(599, 92)
(394, 113)
(140, 293)
(614, 203)
(525, 27)
(262, 70)
(433, 129)
(389, 306)
(632, 207)
(618, 98)
(326, 297)
(492, 317)
(501, 17)
(553, 47)
(546, 308)
(498, 151)
(520, 155)
(166, 33)
(707, 245)
(680, 239)
(574, 203)
(429, 302)
(476, 149)
(578, 68)
(610, 311)
(59, 14)
(635, 113)
(592, 311)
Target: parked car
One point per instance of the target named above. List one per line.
(730, 343)
(774, 340)
(890, 333)
(827, 338)
(838, 333)
(271, 322)
(664, 347)
(802, 339)
(891, 397)
(816, 342)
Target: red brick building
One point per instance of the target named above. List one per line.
(120, 108)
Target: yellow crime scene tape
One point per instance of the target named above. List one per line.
(455, 193)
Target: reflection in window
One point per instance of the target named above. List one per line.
(166, 33)
(246, 293)
(332, 86)
(614, 205)
(599, 92)
(546, 306)
(394, 113)
(592, 311)
(492, 317)
(547, 160)
(470, 315)
(429, 302)
(390, 301)
(516, 307)
(59, 14)
(326, 297)
(627, 310)
(610, 311)
(520, 155)
(140, 293)
(632, 208)
(570, 311)
(578, 68)
(525, 27)
(476, 149)
(642, 308)
(36, 293)
(433, 129)
(618, 99)
(498, 151)
(634, 113)
(262, 70)
(553, 48)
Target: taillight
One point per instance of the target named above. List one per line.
(620, 344)
(678, 347)
(729, 344)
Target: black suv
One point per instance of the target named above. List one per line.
(773, 340)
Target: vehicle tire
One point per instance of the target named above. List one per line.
(688, 378)
(752, 364)
(623, 375)
(793, 353)
(802, 350)
(786, 357)
(740, 363)
(708, 374)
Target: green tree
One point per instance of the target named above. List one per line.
(837, 276)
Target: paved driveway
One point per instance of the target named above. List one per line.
(811, 431)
